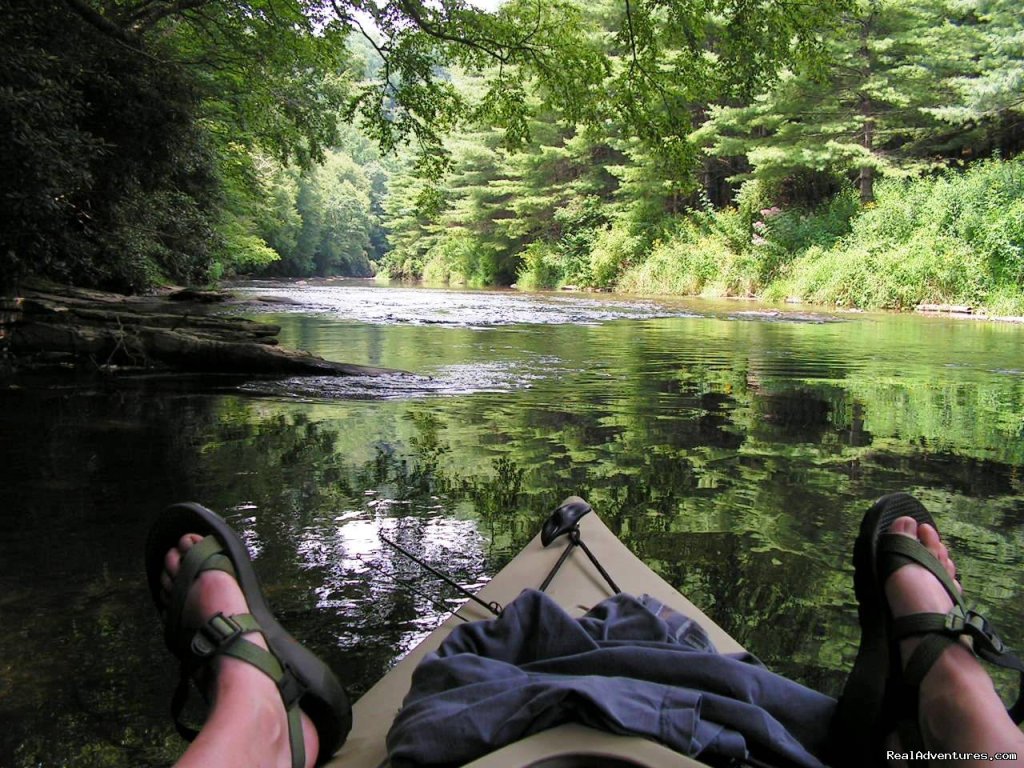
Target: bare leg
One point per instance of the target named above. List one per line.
(246, 727)
(960, 709)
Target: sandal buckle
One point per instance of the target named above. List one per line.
(218, 632)
(956, 621)
(978, 628)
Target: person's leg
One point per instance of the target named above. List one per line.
(247, 725)
(959, 707)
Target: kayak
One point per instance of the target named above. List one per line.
(578, 583)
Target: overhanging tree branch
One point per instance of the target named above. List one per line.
(158, 12)
(100, 22)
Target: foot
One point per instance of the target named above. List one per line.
(958, 707)
(247, 724)
(912, 589)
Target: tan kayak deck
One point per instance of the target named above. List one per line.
(577, 587)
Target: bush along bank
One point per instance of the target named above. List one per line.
(956, 238)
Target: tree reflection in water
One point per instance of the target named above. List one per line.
(735, 458)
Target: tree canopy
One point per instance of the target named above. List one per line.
(542, 142)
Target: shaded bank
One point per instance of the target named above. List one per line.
(53, 327)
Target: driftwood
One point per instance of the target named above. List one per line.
(77, 327)
(953, 309)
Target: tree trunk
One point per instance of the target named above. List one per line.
(866, 179)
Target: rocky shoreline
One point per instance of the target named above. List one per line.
(48, 326)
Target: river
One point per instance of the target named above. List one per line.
(733, 447)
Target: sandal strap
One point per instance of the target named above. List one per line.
(206, 555)
(896, 551)
(223, 636)
(288, 685)
(924, 657)
(957, 623)
(942, 630)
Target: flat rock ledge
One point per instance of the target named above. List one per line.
(74, 328)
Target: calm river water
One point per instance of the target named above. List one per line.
(734, 448)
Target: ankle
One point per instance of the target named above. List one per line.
(956, 683)
(247, 712)
(245, 699)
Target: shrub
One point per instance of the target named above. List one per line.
(954, 238)
(922, 269)
(540, 266)
(613, 253)
(461, 259)
(795, 230)
(690, 262)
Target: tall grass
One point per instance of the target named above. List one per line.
(735, 251)
(956, 238)
(953, 238)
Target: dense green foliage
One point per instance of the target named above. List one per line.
(322, 220)
(785, 198)
(102, 156)
(954, 238)
(129, 128)
(141, 129)
(718, 147)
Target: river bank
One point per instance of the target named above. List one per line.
(788, 306)
(48, 326)
(952, 238)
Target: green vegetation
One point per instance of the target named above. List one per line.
(954, 238)
(852, 152)
(875, 175)
(130, 128)
(154, 140)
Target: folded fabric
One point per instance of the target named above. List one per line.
(620, 668)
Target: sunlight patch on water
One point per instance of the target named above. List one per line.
(354, 560)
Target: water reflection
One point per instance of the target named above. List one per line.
(734, 456)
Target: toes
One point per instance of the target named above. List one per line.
(172, 560)
(905, 526)
(930, 538)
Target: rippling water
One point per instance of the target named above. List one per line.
(733, 447)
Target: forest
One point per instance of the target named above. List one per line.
(854, 153)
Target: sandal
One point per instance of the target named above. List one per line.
(304, 681)
(880, 695)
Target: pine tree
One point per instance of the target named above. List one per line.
(989, 110)
(870, 112)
